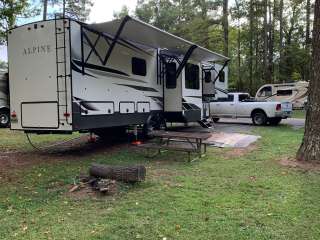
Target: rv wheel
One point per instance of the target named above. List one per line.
(111, 134)
(154, 122)
(4, 119)
(215, 120)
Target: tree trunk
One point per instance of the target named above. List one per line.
(281, 78)
(251, 13)
(308, 40)
(45, 7)
(265, 42)
(239, 47)
(271, 39)
(310, 147)
(225, 23)
(120, 173)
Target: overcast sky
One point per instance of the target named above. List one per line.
(101, 11)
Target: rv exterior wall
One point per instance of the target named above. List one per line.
(115, 94)
(33, 76)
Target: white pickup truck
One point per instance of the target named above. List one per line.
(241, 105)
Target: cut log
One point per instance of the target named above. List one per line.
(121, 173)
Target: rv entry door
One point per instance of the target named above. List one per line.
(172, 89)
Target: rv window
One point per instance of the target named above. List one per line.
(192, 76)
(287, 92)
(139, 66)
(222, 76)
(266, 92)
(171, 81)
(207, 76)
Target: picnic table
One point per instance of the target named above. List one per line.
(190, 142)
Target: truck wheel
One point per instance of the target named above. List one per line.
(215, 120)
(4, 119)
(259, 118)
(274, 121)
(154, 122)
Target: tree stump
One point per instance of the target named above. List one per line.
(120, 173)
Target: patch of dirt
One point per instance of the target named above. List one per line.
(293, 163)
(85, 192)
(239, 152)
(74, 150)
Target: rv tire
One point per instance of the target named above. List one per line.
(4, 118)
(154, 122)
(215, 120)
(109, 134)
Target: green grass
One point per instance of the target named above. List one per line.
(219, 197)
(299, 114)
(17, 140)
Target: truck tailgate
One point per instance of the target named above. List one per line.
(286, 107)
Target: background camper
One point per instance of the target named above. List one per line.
(296, 93)
(69, 76)
(4, 101)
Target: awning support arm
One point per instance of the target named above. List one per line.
(185, 60)
(221, 70)
(115, 39)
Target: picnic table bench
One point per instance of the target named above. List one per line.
(190, 142)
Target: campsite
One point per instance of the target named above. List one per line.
(162, 119)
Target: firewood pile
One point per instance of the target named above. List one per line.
(106, 179)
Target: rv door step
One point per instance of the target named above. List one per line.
(205, 124)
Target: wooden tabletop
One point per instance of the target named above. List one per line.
(184, 135)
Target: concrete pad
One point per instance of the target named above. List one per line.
(236, 140)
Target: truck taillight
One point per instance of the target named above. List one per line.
(278, 107)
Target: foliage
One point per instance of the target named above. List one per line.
(223, 196)
(271, 60)
(10, 10)
(77, 9)
(123, 12)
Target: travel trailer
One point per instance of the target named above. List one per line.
(70, 76)
(4, 101)
(296, 93)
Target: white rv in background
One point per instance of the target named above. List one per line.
(296, 93)
(4, 101)
(69, 76)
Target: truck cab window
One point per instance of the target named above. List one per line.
(207, 76)
(243, 97)
(192, 76)
(230, 98)
(265, 92)
(171, 69)
(139, 66)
